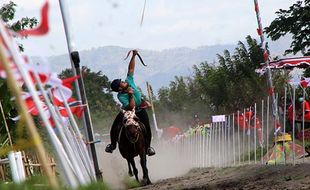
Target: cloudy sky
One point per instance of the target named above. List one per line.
(167, 23)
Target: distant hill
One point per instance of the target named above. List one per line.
(161, 68)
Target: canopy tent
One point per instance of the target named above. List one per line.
(287, 63)
(171, 132)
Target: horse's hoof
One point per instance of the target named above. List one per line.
(130, 174)
(145, 182)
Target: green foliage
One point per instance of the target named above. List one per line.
(41, 183)
(230, 85)
(131, 183)
(10, 111)
(294, 21)
(7, 13)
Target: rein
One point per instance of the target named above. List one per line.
(136, 139)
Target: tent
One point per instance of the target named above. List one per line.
(282, 151)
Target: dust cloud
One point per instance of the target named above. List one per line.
(167, 163)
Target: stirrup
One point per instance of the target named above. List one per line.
(150, 151)
(109, 148)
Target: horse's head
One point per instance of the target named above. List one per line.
(131, 125)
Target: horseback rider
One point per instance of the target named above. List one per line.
(130, 98)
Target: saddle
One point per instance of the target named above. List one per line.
(145, 104)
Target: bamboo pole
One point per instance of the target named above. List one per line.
(6, 125)
(159, 131)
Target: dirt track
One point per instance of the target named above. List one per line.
(242, 177)
(164, 169)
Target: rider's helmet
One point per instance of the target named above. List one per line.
(115, 85)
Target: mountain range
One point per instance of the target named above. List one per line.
(162, 66)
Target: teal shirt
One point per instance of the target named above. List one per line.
(124, 98)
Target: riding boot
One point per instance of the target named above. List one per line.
(142, 115)
(109, 148)
(114, 133)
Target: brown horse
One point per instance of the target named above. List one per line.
(132, 143)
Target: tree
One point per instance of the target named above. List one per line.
(294, 21)
(228, 85)
(7, 13)
(233, 84)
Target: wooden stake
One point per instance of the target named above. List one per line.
(6, 125)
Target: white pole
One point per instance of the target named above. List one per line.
(255, 133)
(213, 147)
(233, 136)
(243, 139)
(73, 159)
(75, 64)
(220, 157)
(238, 131)
(249, 137)
(262, 128)
(267, 126)
(303, 125)
(210, 145)
(226, 157)
(228, 147)
(13, 166)
(87, 158)
(275, 133)
(203, 146)
(20, 166)
(284, 122)
(294, 148)
(191, 152)
(216, 147)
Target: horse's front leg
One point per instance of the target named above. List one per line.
(144, 169)
(129, 169)
(135, 170)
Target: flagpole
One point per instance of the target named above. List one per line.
(16, 91)
(75, 64)
(76, 168)
(86, 158)
(269, 74)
